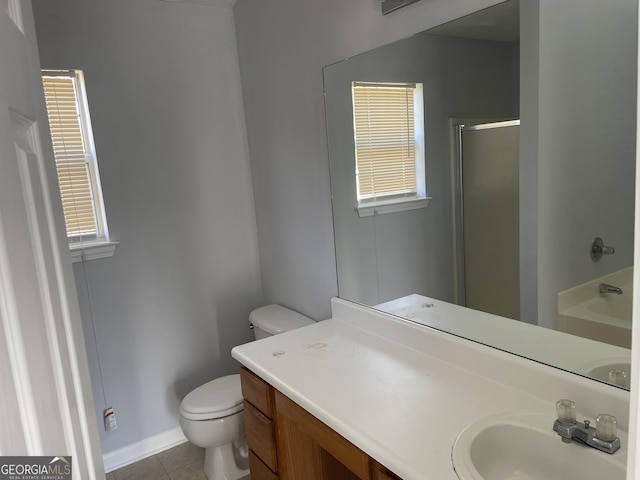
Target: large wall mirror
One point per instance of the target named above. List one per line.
(524, 135)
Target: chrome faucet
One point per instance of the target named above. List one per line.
(603, 437)
(606, 288)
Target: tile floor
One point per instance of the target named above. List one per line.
(184, 462)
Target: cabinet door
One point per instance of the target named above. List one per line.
(379, 472)
(308, 449)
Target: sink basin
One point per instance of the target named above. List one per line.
(524, 447)
(599, 369)
(602, 372)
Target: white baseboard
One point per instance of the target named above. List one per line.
(144, 448)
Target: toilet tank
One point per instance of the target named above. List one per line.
(274, 319)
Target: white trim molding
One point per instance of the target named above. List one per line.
(92, 251)
(379, 208)
(633, 450)
(144, 448)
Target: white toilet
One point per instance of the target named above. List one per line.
(212, 416)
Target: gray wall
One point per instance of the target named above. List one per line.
(584, 153)
(283, 46)
(388, 256)
(163, 90)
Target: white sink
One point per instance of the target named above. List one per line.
(601, 372)
(599, 369)
(525, 447)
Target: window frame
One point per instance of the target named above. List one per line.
(98, 245)
(396, 201)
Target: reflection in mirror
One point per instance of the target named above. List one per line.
(529, 155)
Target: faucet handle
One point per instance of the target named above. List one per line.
(566, 410)
(619, 378)
(606, 427)
(598, 248)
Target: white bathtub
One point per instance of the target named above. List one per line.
(586, 312)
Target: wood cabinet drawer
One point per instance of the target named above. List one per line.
(260, 435)
(258, 392)
(259, 471)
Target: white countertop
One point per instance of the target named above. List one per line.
(562, 350)
(386, 391)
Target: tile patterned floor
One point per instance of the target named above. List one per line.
(184, 462)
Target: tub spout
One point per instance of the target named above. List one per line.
(606, 288)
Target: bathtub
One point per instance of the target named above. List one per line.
(584, 311)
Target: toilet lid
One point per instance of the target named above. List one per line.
(215, 399)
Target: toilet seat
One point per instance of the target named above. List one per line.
(216, 399)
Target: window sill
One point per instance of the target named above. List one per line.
(92, 251)
(392, 206)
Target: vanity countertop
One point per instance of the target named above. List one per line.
(569, 352)
(402, 393)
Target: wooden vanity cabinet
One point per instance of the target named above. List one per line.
(259, 413)
(380, 472)
(288, 443)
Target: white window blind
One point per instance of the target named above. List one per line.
(75, 160)
(385, 140)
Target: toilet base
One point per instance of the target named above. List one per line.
(220, 464)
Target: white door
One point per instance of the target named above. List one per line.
(45, 396)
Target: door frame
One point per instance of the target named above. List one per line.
(44, 361)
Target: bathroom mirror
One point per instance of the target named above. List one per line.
(547, 92)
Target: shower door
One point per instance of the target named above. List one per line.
(489, 223)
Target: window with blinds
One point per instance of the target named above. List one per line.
(388, 133)
(75, 158)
